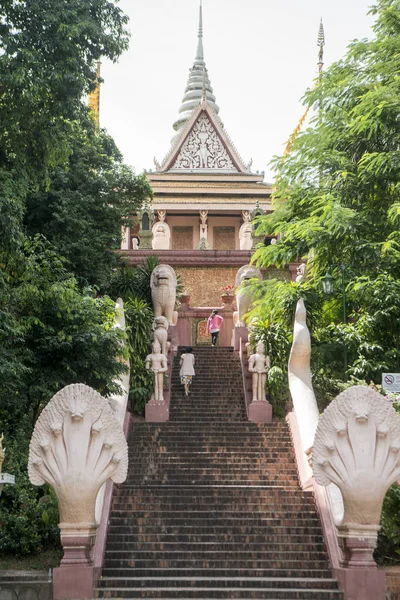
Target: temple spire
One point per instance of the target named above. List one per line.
(200, 51)
(321, 44)
(198, 85)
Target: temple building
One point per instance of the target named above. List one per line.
(205, 198)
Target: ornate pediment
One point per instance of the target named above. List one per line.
(203, 149)
(203, 145)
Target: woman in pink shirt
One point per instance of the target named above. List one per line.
(214, 324)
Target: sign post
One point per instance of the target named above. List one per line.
(391, 382)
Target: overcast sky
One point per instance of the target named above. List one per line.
(261, 56)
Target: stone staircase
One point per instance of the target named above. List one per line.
(212, 506)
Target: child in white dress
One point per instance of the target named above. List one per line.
(187, 369)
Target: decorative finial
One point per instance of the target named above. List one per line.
(94, 97)
(194, 88)
(200, 52)
(203, 92)
(321, 44)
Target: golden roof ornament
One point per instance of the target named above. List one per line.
(94, 97)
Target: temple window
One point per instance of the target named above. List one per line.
(145, 222)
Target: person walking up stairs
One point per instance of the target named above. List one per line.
(212, 506)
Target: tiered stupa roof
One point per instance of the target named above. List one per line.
(198, 84)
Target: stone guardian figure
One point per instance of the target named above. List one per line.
(157, 362)
(258, 366)
(163, 292)
(160, 329)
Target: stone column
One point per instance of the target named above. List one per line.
(203, 227)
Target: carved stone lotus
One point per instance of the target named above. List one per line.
(76, 446)
(357, 447)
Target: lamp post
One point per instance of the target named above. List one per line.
(327, 286)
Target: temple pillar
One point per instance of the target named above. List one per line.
(203, 243)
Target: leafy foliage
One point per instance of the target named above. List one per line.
(63, 179)
(48, 56)
(87, 201)
(336, 201)
(28, 516)
(66, 335)
(127, 282)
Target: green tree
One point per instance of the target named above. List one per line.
(48, 55)
(65, 336)
(82, 209)
(337, 202)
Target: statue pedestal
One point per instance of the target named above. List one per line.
(156, 412)
(74, 582)
(260, 411)
(75, 577)
(238, 334)
(362, 584)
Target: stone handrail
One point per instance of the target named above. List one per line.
(69, 581)
(346, 444)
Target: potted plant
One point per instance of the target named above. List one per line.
(184, 297)
(228, 294)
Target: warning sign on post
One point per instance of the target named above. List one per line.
(391, 382)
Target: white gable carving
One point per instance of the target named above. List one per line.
(203, 149)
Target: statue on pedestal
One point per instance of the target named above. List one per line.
(246, 236)
(258, 366)
(161, 236)
(157, 362)
(163, 292)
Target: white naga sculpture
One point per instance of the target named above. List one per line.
(163, 292)
(300, 382)
(244, 297)
(157, 362)
(357, 447)
(160, 333)
(258, 366)
(75, 447)
(299, 374)
(246, 236)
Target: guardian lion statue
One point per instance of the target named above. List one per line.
(163, 293)
(244, 296)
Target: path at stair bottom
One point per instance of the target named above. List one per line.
(212, 506)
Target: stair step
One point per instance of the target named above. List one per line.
(212, 506)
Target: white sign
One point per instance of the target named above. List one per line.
(391, 382)
(7, 478)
